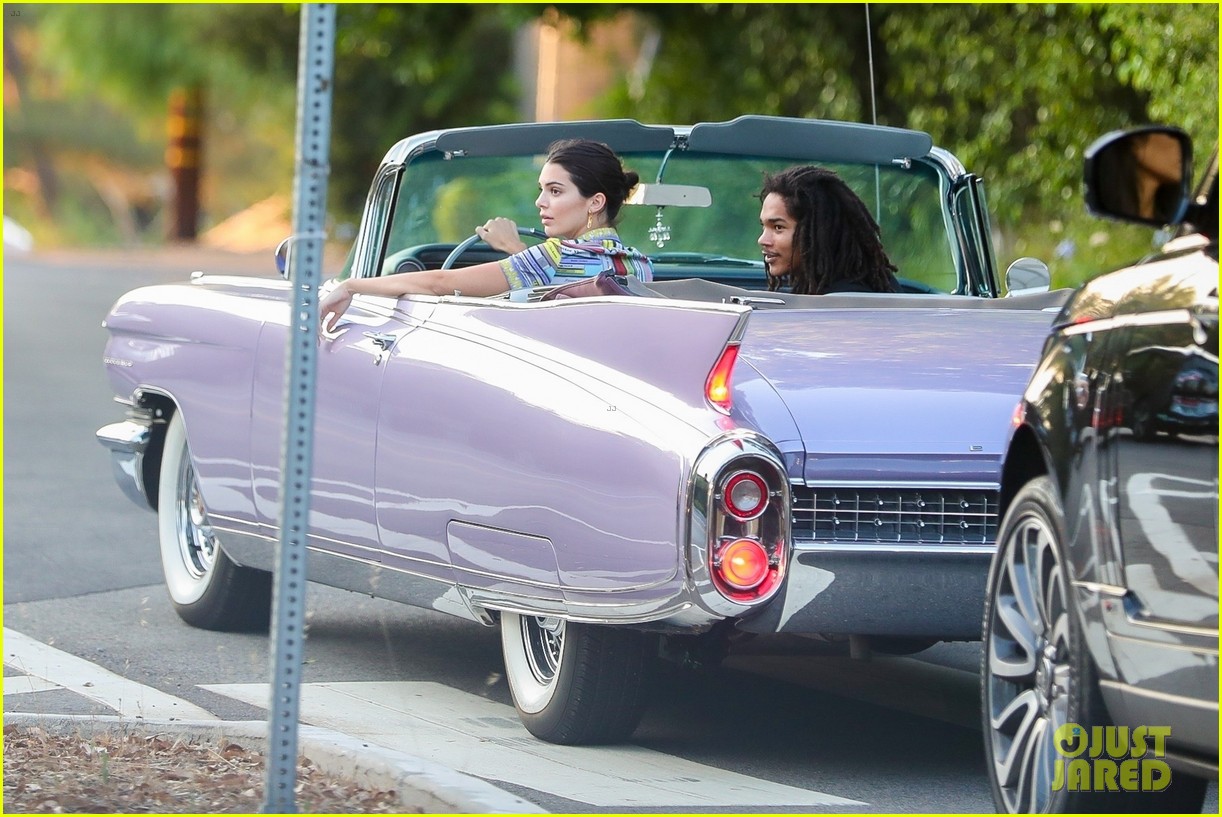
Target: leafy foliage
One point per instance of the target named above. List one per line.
(399, 69)
(1017, 91)
(404, 69)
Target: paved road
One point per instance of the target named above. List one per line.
(764, 733)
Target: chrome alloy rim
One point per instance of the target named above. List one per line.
(1028, 665)
(543, 637)
(197, 543)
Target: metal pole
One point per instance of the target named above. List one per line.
(314, 69)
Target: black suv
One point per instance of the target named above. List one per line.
(1100, 668)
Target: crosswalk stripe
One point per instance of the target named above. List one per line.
(127, 698)
(471, 734)
(20, 684)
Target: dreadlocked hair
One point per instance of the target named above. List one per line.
(836, 240)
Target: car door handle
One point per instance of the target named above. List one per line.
(382, 340)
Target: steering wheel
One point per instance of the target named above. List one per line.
(469, 241)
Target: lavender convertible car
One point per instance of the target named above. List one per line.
(605, 476)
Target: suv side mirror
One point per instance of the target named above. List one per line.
(1143, 175)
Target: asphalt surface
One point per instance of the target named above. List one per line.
(63, 573)
(58, 690)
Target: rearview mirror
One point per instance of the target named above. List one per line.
(1142, 175)
(670, 195)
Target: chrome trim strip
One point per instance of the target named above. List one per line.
(809, 546)
(563, 588)
(1118, 593)
(675, 610)
(367, 548)
(1167, 316)
(947, 161)
(1180, 700)
(218, 520)
(349, 557)
(405, 150)
(924, 485)
(498, 302)
(644, 613)
(1209, 635)
(740, 329)
(1101, 587)
(272, 539)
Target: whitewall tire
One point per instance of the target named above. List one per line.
(575, 683)
(208, 590)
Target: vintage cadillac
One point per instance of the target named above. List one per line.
(607, 476)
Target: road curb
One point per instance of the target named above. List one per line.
(421, 784)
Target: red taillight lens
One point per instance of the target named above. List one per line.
(717, 387)
(744, 564)
(745, 495)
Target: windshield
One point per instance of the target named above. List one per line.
(442, 199)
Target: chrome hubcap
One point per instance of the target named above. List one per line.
(544, 640)
(197, 543)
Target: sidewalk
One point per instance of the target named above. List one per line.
(63, 694)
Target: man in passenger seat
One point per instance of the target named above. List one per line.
(818, 236)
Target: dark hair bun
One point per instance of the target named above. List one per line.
(595, 168)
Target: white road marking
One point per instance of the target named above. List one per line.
(18, 684)
(127, 698)
(471, 734)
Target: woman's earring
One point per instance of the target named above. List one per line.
(589, 222)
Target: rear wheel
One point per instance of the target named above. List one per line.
(208, 590)
(1038, 675)
(575, 683)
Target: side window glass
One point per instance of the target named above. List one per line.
(975, 244)
(371, 241)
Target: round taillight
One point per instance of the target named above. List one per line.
(745, 495)
(743, 564)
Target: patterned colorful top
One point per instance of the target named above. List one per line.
(591, 253)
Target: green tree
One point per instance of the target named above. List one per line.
(399, 69)
(144, 58)
(1016, 91)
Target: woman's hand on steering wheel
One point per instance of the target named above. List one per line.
(501, 231)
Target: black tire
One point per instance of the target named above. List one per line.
(575, 684)
(208, 590)
(1037, 673)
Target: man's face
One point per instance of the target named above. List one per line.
(776, 236)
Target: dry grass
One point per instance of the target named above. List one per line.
(116, 772)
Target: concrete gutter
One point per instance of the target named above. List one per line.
(421, 784)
